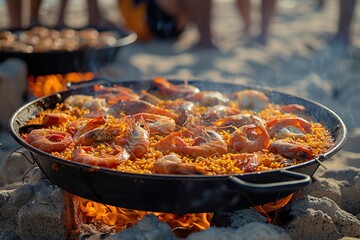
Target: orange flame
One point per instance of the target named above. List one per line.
(193, 221)
(49, 84)
(121, 218)
(273, 206)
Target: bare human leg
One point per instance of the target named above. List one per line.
(244, 8)
(189, 11)
(176, 9)
(15, 8)
(61, 20)
(267, 12)
(346, 14)
(96, 18)
(34, 12)
(200, 13)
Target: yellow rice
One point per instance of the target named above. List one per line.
(319, 140)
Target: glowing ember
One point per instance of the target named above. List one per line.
(49, 84)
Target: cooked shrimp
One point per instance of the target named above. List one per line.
(172, 90)
(137, 140)
(88, 155)
(100, 89)
(184, 117)
(172, 164)
(137, 106)
(178, 104)
(291, 149)
(95, 114)
(246, 161)
(48, 140)
(292, 108)
(78, 100)
(109, 132)
(54, 119)
(219, 111)
(184, 110)
(115, 93)
(85, 101)
(98, 105)
(158, 125)
(75, 125)
(148, 97)
(90, 125)
(167, 144)
(249, 138)
(237, 121)
(251, 99)
(208, 98)
(288, 127)
(204, 143)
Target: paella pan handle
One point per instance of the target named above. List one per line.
(297, 181)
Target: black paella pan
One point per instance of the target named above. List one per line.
(86, 59)
(179, 193)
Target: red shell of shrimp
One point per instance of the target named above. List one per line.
(204, 143)
(115, 93)
(205, 149)
(237, 120)
(138, 139)
(291, 149)
(148, 97)
(86, 155)
(246, 161)
(48, 140)
(74, 126)
(219, 112)
(107, 133)
(251, 99)
(172, 164)
(90, 125)
(249, 138)
(292, 108)
(275, 125)
(172, 90)
(208, 98)
(158, 124)
(131, 107)
(54, 119)
(167, 144)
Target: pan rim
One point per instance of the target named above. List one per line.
(128, 38)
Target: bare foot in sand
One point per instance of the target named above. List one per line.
(339, 41)
(258, 40)
(205, 45)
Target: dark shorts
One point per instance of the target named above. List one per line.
(161, 24)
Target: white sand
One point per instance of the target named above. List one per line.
(297, 60)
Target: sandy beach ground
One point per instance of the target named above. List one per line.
(297, 59)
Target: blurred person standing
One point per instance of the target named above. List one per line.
(15, 8)
(168, 18)
(267, 10)
(346, 15)
(95, 19)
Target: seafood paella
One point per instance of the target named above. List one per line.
(178, 129)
